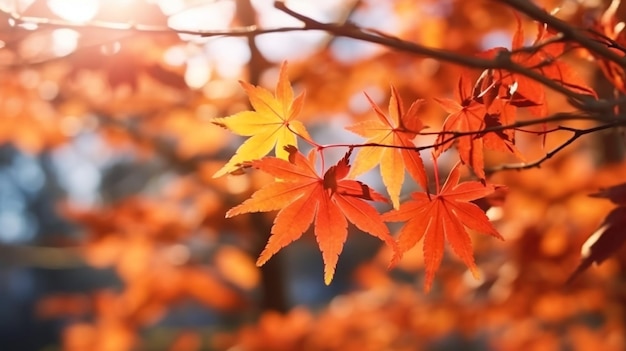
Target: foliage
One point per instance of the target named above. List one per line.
(272, 123)
(475, 90)
(302, 196)
(393, 161)
(443, 216)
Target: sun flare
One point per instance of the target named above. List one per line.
(75, 10)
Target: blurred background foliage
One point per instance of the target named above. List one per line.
(112, 229)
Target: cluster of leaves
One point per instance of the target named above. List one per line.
(480, 117)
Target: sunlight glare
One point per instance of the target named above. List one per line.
(212, 16)
(170, 7)
(198, 72)
(17, 6)
(74, 10)
(292, 45)
(64, 41)
(228, 55)
(175, 56)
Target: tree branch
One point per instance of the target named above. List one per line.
(501, 61)
(558, 117)
(569, 32)
(577, 133)
(349, 30)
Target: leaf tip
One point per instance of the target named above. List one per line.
(261, 261)
(581, 268)
(237, 169)
(397, 256)
(218, 123)
(329, 273)
(219, 173)
(475, 271)
(427, 285)
(232, 212)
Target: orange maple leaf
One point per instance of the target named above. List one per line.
(399, 131)
(302, 196)
(443, 216)
(526, 92)
(271, 125)
(470, 115)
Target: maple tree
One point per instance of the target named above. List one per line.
(197, 179)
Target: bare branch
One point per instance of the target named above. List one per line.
(577, 133)
(520, 124)
(557, 117)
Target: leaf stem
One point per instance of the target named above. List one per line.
(436, 169)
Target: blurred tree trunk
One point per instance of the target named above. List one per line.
(272, 274)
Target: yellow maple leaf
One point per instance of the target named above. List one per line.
(270, 125)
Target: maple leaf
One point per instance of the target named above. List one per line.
(470, 115)
(523, 91)
(443, 216)
(609, 31)
(610, 235)
(302, 196)
(399, 131)
(271, 125)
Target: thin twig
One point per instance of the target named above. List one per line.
(557, 117)
(577, 133)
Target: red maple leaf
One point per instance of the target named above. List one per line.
(471, 115)
(609, 31)
(443, 216)
(523, 91)
(302, 196)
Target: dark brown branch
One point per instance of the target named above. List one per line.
(558, 117)
(146, 29)
(568, 31)
(577, 133)
(501, 61)
(348, 30)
